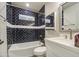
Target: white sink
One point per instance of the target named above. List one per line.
(62, 40)
(61, 47)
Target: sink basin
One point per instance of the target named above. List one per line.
(62, 40)
(59, 46)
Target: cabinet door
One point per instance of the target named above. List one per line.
(50, 53)
(62, 52)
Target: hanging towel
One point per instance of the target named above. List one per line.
(77, 40)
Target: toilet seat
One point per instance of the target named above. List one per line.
(40, 51)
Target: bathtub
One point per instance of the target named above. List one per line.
(23, 49)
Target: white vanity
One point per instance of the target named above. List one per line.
(61, 47)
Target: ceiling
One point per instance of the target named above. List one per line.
(68, 4)
(34, 6)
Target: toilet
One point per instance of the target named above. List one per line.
(40, 51)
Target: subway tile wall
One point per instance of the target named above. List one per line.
(20, 35)
(15, 35)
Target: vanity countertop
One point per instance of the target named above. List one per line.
(67, 43)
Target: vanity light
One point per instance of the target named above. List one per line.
(27, 4)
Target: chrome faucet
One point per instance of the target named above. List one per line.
(70, 30)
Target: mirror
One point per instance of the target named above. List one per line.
(70, 16)
(50, 21)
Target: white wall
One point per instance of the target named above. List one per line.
(50, 7)
(3, 36)
(51, 33)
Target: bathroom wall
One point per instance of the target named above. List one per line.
(23, 35)
(3, 35)
(50, 7)
(66, 33)
(51, 34)
(13, 16)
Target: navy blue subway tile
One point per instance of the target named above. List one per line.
(15, 35)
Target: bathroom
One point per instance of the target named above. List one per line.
(39, 29)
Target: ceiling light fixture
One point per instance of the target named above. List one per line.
(27, 4)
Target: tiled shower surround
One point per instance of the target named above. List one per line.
(15, 35)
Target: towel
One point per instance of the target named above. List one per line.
(77, 40)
